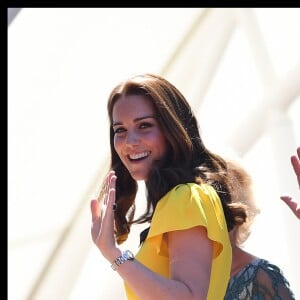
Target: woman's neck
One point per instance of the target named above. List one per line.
(240, 259)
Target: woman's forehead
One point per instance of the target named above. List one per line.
(133, 106)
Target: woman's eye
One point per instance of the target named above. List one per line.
(145, 125)
(119, 130)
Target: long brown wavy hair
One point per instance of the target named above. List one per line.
(188, 160)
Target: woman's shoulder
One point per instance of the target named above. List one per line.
(190, 188)
(187, 199)
(273, 270)
(180, 195)
(258, 278)
(191, 194)
(260, 265)
(190, 205)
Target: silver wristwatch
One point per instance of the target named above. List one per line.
(126, 255)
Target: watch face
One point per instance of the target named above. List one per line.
(129, 254)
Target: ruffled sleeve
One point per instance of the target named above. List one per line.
(187, 206)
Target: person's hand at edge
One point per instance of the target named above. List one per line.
(292, 203)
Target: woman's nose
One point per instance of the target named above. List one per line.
(132, 138)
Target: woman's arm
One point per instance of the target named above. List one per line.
(190, 253)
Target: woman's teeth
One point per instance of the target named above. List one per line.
(139, 155)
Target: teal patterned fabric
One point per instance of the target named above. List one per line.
(260, 280)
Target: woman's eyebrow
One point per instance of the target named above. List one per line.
(144, 117)
(137, 119)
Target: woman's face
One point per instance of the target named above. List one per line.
(138, 140)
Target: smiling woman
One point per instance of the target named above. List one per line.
(239, 68)
(154, 137)
(138, 138)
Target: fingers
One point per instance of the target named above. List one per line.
(95, 210)
(296, 165)
(109, 197)
(112, 193)
(102, 228)
(110, 184)
(292, 204)
(286, 199)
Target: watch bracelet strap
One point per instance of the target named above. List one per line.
(121, 259)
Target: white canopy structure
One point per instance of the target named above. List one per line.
(238, 67)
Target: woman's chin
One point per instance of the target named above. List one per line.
(139, 176)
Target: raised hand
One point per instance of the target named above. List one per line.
(293, 204)
(102, 229)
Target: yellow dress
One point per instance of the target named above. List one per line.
(183, 207)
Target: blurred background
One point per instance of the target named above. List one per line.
(238, 67)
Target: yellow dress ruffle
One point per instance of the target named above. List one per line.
(183, 207)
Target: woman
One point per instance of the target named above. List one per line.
(154, 137)
(252, 277)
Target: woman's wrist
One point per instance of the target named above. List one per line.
(113, 255)
(125, 256)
